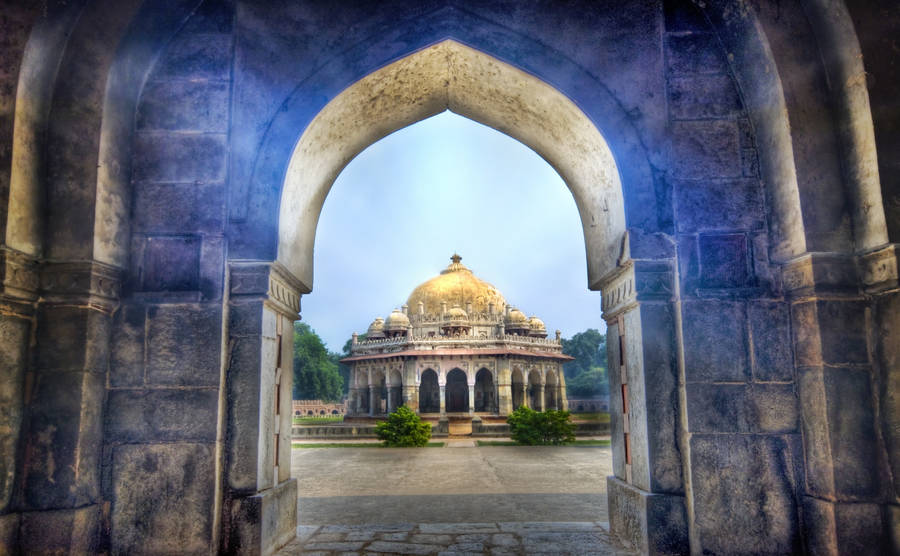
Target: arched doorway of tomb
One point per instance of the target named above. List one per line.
(457, 391)
(429, 392)
(535, 390)
(518, 388)
(551, 392)
(484, 390)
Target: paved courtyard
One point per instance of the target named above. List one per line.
(453, 500)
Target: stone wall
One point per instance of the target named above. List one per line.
(751, 303)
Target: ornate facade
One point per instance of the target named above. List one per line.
(456, 347)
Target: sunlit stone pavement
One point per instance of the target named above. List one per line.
(453, 500)
(450, 539)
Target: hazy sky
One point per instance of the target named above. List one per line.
(404, 205)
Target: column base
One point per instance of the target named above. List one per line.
(263, 523)
(58, 531)
(649, 523)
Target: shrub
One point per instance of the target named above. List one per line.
(403, 428)
(533, 428)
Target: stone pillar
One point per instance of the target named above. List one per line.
(540, 397)
(504, 391)
(59, 474)
(372, 400)
(443, 399)
(259, 514)
(390, 399)
(471, 399)
(411, 397)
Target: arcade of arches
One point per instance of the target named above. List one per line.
(445, 359)
(734, 165)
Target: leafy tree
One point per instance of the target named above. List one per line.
(403, 428)
(593, 382)
(589, 350)
(343, 369)
(530, 427)
(315, 369)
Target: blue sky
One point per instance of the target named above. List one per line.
(400, 209)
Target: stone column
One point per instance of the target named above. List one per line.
(411, 398)
(390, 399)
(504, 391)
(260, 495)
(471, 399)
(540, 398)
(372, 400)
(443, 399)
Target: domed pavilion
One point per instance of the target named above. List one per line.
(456, 348)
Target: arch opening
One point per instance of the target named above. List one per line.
(451, 76)
(457, 392)
(429, 392)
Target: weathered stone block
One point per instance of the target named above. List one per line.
(183, 343)
(244, 407)
(705, 149)
(9, 533)
(661, 398)
(171, 263)
(695, 53)
(844, 528)
(212, 267)
(805, 330)
(718, 205)
(162, 498)
(683, 16)
(742, 408)
(62, 459)
(14, 340)
(715, 341)
(72, 338)
(737, 515)
(263, 523)
(245, 318)
(887, 315)
(179, 208)
(162, 415)
(770, 330)
(62, 531)
(724, 261)
(703, 96)
(196, 56)
(184, 105)
(126, 367)
(179, 157)
(649, 523)
(842, 325)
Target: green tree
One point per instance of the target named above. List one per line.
(589, 350)
(532, 428)
(316, 373)
(404, 429)
(593, 382)
(344, 369)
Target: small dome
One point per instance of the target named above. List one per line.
(457, 313)
(396, 321)
(537, 327)
(517, 317)
(376, 329)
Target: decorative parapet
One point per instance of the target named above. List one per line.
(388, 345)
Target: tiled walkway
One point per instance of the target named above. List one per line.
(450, 539)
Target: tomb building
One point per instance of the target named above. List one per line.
(456, 348)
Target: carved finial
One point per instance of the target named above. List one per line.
(456, 258)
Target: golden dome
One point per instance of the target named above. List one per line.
(396, 321)
(456, 285)
(537, 324)
(516, 316)
(376, 329)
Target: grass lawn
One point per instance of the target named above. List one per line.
(597, 416)
(511, 443)
(318, 419)
(354, 445)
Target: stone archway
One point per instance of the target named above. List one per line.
(429, 392)
(457, 392)
(484, 391)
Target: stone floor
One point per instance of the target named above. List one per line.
(452, 539)
(461, 499)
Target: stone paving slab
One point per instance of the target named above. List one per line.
(454, 539)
